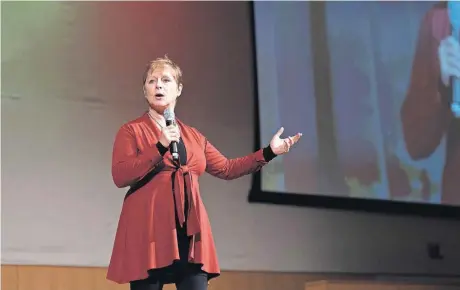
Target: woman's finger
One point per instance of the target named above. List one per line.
(297, 137)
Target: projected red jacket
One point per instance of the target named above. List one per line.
(146, 234)
(426, 116)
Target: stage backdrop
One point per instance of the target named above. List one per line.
(72, 75)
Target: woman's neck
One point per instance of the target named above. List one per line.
(158, 118)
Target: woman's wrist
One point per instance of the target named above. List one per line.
(162, 149)
(268, 153)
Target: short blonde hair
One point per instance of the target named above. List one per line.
(162, 62)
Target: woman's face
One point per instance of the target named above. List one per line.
(161, 89)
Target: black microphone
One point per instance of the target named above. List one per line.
(171, 119)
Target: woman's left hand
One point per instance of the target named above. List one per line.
(281, 146)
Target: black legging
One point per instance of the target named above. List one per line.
(197, 281)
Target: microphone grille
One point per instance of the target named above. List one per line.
(169, 114)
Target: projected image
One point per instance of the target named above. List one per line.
(394, 134)
(285, 87)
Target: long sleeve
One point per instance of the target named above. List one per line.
(425, 112)
(128, 164)
(220, 166)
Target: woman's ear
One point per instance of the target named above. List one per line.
(179, 90)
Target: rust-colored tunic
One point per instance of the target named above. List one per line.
(426, 114)
(146, 236)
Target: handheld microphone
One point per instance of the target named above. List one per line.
(170, 118)
(454, 17)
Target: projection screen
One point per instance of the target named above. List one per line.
(374, 125)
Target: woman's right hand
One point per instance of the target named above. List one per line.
(449, 59)
(169, 134)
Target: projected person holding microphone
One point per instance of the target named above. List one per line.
(430, 111)
(164, 235)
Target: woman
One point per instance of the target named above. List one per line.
(426, 113)
(164, 235)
